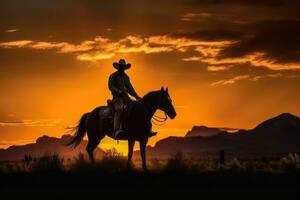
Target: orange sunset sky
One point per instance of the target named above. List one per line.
(227, 63)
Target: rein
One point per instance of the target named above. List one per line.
(157, 120)
(161, 120)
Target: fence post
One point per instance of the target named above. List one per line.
(222, 157)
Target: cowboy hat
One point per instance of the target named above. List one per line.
(122, 63)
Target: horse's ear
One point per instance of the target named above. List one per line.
(167, 89)
(162, 88)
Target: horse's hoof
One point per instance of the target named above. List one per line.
(130, 167)
(145, 169)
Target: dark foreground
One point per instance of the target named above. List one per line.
(50, 177)
(149, 186)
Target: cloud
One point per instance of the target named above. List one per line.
(230, 81)
(16, 44)
(217, 68)
(275, 75)
(95, 56)
(11, 30)
(183, 41)
(192, 58)
(264, 49)
(29, 122)
(210, 35)
(191, 16)
(274, 44)
(104, 48)
(253, 78)
(244, 2)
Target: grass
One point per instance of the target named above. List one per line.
(111, 162)
(114, 162)
(178, 175)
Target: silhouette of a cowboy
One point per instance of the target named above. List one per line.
(121, 87)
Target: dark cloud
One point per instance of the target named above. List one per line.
(211, 35)
(279, 41)
(246, 2)
(76, 20)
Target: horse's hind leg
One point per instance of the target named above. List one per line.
(92, 144)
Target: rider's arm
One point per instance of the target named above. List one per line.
(131, 90)
(112, 87)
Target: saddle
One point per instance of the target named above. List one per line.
(108, 110)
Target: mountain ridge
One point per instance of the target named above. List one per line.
(43, 145)
(275, 136)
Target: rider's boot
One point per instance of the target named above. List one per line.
(152, 133)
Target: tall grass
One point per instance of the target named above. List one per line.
(111, 162)
(114, 162)
(48, 163)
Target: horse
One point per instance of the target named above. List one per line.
(136, 123)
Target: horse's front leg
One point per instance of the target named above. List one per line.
(143, 144)
(130, 152)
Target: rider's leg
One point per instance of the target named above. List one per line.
(118, 106)
(152, 133)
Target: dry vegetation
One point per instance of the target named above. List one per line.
(179, 177)
(114, 162)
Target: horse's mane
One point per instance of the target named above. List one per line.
(151, 94)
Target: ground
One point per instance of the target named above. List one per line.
(50, 177)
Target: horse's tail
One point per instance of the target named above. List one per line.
(79, 131)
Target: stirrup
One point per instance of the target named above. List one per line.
(152, 133)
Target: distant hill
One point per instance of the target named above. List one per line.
(45, 144)
(206, 131)
(274, 137)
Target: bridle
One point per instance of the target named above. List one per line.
(161, 120)
(157, 120)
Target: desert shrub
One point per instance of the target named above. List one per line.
(48, 163)
(291, 163)
(112, 161)
(112, 153)
(207, 166)
(2, 167)
(177, 163)
(156, 164)
(80, 164)
(234, 165)
(10, 167)
(27, 162)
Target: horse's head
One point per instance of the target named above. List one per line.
(165, 103)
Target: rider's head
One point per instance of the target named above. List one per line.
(121, 65)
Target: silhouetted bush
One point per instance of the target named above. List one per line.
(10, 167)
(48, 163)
(234, 166)
(112, 161)
(156, 164)
(115, 162)
(80, 164)
(176, 163)
(291, 163)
